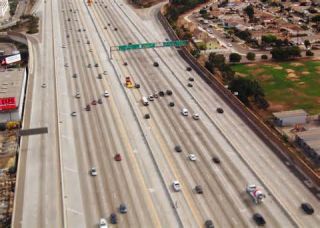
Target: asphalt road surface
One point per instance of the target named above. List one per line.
(56, 189)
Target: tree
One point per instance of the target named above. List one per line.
(249, 10)
(285, 53)
(203, 11)
(215, 62)
(264, 57)
(309, 53)
(234, 57)
(316, 18)
(268, 39)
(307, 43)
(251, 56)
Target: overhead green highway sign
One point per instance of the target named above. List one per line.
(176, 43)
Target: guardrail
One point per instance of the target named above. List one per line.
(260, 128)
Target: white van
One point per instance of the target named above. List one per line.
(145, 101)
(184, 112)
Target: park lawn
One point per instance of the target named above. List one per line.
(291, 85)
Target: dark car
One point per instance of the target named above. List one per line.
(190, 85)
(96, 65)
(118, 157)
(125, 63)
(74, 76)
(113, 218)
(215, 159)
(99, 76)
(171, 104)
(88, 108)
(219, 110)
(123, 208)
(147, 116)
(178, 148)
(99, 101)
(137, 85)
(191, 79)
(209, 224)
(307, 208)
(161, 93)
(169, 92)
(258, 218)
(155, 64)
(198, 189)
(94, 102)
(188, 68)
(115, 29)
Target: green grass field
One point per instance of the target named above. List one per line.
(287, 85)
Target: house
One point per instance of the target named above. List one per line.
(290, 118)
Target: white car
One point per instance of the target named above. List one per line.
(103, 223)
(93, 171)
(192, 157)
(176, 186)
(151, 98)
(106, 93)
(184, 112)
(229, 44)
(196, 116)
(73, 114)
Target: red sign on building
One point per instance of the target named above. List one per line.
(7, 103)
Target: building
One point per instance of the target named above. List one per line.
(4, 5)
(309, 141)
(290, 118)
(12, 91)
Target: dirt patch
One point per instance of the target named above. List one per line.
(251, 64)
(318, 100)
(241, 75)
(305, 72)
(265, 77)
(292, 77)
(296, 64)
(289, 71)
(277, 107)
(257, 71)
(278, 68)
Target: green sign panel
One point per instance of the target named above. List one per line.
(176, 43)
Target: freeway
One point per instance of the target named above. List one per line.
(57, 191)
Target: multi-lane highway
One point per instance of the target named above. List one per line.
(54, 186)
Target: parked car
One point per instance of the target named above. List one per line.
(219, 110)
(74, 75)
(178, 148)
(93, 171)
(88, 108)
(118, 157)
(176, 186)
(113, 218)
(215, 159)
(198, 189)
(147, 116)
(258, 218)
(307, 208)
(192, 157)
(123, 208)
(209, 224)
(196, 116)
(103, 223)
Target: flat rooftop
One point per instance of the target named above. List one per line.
(311, 138)
(292, 113)
(11, 81)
